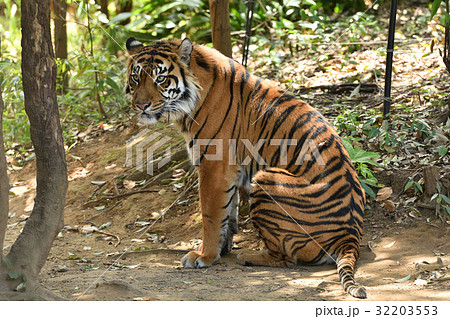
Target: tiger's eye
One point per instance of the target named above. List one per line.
(160, 78)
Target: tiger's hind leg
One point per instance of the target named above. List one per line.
(271, 233)
(289, 222)
(264, 258)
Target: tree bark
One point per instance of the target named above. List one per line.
(124, 6)
(59, 11)
(430, 178)
(220, 26)
(4, 183)
(29, 253)
(104, 8)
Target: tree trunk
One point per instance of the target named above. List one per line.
(104, 8)
(29, 253)
(220, 26)
(59, 11)
(4, 183)
(431, 178)
(124, 6)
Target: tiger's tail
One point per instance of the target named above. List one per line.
(346, 262)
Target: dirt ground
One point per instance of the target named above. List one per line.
(404, 256)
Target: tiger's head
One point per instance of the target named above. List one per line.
(160, 81)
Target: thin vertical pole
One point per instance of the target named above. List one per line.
(248, 31)
(389, 58)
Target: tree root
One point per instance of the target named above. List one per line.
(33, 292)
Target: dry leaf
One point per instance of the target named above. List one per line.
(155, 215)
(389, 205)
(29, 208)
(414, 213)
(19, 190)
(129, 184)
(440, 262)
(142, 299)
(87, 229)
(384, 194)
(98, 183)
(420, 282)
(390, 245)
(178, 173)
(23, 217)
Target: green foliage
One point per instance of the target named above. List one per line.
(445, 18)
(442, 201)
(159, 19)
(77, 116)
(16, 127)
(78, 104)
(362, 159)
(417, 187)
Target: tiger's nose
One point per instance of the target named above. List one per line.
(142, 105)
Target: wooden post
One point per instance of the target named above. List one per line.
(220, 26)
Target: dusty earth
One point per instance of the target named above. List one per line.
(404, 257)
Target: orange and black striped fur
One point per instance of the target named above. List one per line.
(306, 200)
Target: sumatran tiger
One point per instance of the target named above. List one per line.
(245, 132)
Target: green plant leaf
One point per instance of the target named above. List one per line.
(113, 85)
(435, 7)
(419, 187)
(368, 190)
(447, 208)
(404, 279)
(442, 151)
(445, 198)
(13, 275)
(120, 17)
(409, 184)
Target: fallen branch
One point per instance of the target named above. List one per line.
(341, 88)
(118, 196)
(151, 251)
(186, 165)
(108, 234)
(93, 229)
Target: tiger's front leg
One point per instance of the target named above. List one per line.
(219, 199)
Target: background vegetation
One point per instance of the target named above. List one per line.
(283, 32)
(95, 46)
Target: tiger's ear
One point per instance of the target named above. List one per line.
(133, 45)
(185, 51)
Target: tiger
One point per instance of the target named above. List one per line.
(246, 133)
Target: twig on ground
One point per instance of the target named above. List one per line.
(106, 198)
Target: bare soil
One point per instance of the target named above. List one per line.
(92, 266)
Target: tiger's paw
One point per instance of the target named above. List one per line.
(194, 259)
